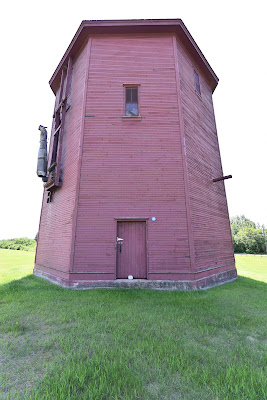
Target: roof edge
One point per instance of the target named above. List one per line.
(91, 26)
(200, 54)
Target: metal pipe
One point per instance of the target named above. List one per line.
(222, 178)
(42, 154)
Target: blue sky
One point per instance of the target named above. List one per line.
(35, 35)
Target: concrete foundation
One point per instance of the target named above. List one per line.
(203, 283)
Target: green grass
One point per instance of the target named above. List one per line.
(254, 267)
(15, 264)
(131, 344)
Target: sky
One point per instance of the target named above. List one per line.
(232, 36)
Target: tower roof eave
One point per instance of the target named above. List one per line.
(137, 26)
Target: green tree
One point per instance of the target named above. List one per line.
(247, 236)
(240, 222)
(249, 240)
(18, 244)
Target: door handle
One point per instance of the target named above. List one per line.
(120, 242)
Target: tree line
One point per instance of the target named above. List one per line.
(248, 237)
(25, 244)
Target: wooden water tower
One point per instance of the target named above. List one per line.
(134, 153)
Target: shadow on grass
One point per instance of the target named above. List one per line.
(31, 282)
(243, 280)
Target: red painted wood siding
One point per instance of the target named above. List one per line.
(131, 254)
(159, 165)
(55, 233)
(132, 168)
(209, 211)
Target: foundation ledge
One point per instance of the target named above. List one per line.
(199, 284)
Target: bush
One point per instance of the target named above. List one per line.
(25, 244)
(247, 236)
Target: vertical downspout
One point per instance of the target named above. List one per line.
(78, 178)
(186, 185)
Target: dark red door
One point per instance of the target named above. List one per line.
(131, 249)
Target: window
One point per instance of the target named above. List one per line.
(197, 84)
(131, 101)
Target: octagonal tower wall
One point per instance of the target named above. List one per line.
(132, 168)
(211, 231)
(156, 167)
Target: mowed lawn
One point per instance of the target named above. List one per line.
(254, 267)
(15, 264)
(131, 344)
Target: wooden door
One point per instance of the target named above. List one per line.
(131, 252)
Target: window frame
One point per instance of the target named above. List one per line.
(131, 86)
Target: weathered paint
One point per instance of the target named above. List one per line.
(118, 168)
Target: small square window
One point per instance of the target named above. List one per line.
(131, 101)
(197, 84)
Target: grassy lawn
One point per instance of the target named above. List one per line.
(254, 267)
(15, 264)
(130, 344)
